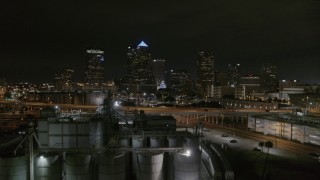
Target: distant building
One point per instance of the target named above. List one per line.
(2, 88)
(94, 75)
(221, 79)
(205, 72)
(233, 74)
(68, 97)
(268, 78)
(63, 79)
(228, 92)
(159, 71)
(251, 83)
(139, 76)
(180, 81)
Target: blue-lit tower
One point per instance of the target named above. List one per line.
(139, 69)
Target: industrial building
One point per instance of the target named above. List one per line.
(303, 129)
(108, 144)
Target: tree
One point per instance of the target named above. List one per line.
(268, 145)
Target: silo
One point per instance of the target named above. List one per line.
(172, 142)
(192, 143)
(78, 166)
(156, 142)
(125, 142)
(48, 167)
(96, 133)
(187, 161)
(150, 166)
(112, 166)
(14, 168)
(137, 142)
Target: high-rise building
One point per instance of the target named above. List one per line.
(180, 81)
(63, 79)
(205, 72)
(2, 88)
(251, 83)
(94, 75)
(221, 78)
(159, 72)
(268, 76)
(233, 74)
(139, 70)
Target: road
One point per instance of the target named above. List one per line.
(246, 139)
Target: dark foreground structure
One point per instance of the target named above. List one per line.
(106, 145)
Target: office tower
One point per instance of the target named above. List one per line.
(221, 79)
(289, 84)
(251, 83)
(94, 75)
(233, 74)
(158, 69)
(139, 77)
(63, 79)
(2, 88)
(268, 78)
(205, 72)
(180, 81)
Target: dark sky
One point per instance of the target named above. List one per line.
(40, 37)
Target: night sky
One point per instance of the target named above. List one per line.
(40, 37)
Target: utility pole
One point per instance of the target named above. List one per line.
(30, 134)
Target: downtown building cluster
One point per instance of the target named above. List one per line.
(147, 77)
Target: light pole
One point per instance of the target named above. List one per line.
(30, 133)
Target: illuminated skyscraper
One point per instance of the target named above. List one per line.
(139, 70)
(268, 77)
(63, 79)
(159, 72)
(205, 71)
(94, 75)
(233, 74)
(180, 81)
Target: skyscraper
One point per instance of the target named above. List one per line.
(233, 74)
(180, 81)
(94, 75)
(268, 77)
(159, 72)
(139, 69)
(205, 72)
(63, 79)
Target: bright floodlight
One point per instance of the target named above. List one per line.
(56, 107)
(41, 157)
(116, 104)
(186, 152)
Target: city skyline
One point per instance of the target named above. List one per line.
(41, 38)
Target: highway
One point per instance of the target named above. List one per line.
(281, 146)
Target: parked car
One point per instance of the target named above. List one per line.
(256, 149)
